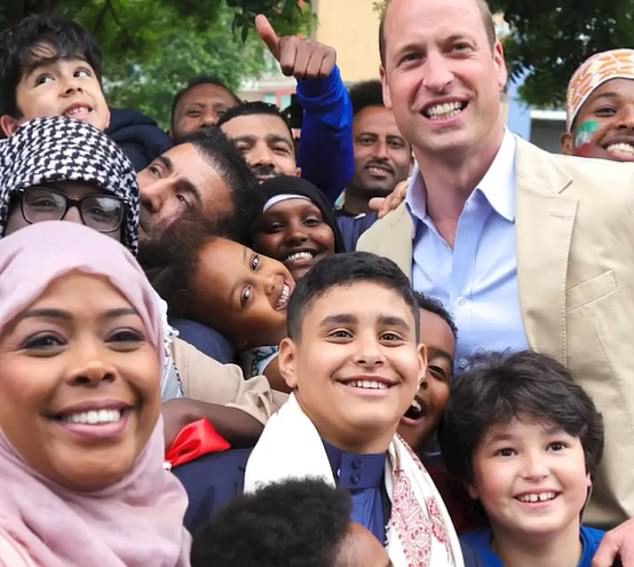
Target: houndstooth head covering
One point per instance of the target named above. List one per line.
(592, 73)
(56, 148)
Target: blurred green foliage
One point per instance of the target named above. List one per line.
(151, 48)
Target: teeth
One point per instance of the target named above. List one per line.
(94, 417)
(368, 384)
(416, 405)
(300, 256)
(621, 148)
(78, 112)
(541, 497)
(283, 300)
(444, 111)
(377, 170)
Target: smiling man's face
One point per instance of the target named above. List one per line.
(382, 157)
(180, 180)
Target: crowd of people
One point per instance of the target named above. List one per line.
(399, 338)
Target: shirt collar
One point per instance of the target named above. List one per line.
(497, 185)
(355, 471)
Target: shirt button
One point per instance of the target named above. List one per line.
(356, 463)
(461, 301)
(355, 478)
(462, 363)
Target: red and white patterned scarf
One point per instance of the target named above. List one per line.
(419, 533)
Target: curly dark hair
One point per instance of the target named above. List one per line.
(498, 388)
(19, 52)
(364, 94)
(171, 260)
(435, 306)
(222, 155)
(297, 523)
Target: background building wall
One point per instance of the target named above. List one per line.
(352, 28)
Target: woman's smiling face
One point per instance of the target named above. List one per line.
(79, 382)
(295, 233)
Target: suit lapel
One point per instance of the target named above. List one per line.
(544, 223)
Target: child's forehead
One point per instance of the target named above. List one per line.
(519, 426)
(44, 53)
(362, 299)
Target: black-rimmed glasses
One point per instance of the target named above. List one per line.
(101, 212)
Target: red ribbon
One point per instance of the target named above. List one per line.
(195, 440)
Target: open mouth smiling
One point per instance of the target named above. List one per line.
(444, 110)
(78, 111)
(285, 295)
(537, 497)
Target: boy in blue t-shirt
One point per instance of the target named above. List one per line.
(525, 440)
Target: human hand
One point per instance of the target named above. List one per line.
(619, 541)
(177, 414)
(298, 57)
(383, 205)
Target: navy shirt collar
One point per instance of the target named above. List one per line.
(355, 471)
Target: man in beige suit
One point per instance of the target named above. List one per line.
(561, 227)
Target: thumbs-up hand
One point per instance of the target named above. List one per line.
(299, 57)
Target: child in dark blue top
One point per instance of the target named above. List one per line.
(525, 440)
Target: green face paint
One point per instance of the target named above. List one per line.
(584, 133)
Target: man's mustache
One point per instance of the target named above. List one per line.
(264, 170)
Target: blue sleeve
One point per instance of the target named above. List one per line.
(325, 148)
(210, 482)
(590, 540)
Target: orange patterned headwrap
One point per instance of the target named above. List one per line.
(592, 73)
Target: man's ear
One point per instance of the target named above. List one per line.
(287, 362)
(8, 124)
(566, 143)
(387, 98)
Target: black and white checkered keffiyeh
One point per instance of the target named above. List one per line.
(56, 148)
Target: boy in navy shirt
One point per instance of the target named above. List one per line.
(525, 440)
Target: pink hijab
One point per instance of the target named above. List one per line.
(137, 522)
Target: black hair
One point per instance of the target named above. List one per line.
(171, 260)
(435, 306)
(298, 523)
(222, 155)
(485, 12)
(524, 385)
(344, 270)
(250, 108)
(196, 82)
(19, 52)
(364, 94)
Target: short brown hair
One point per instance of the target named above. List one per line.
(487, 19)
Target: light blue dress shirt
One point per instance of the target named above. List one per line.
(477, 279)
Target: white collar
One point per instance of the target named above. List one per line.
(497, 185)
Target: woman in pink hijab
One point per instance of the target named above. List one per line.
(81, 439)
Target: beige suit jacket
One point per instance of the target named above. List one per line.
(575, 270)
(207, 380)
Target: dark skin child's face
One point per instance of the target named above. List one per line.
(604, 126)
(423, 417)
(242, 294)
(294, 232)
